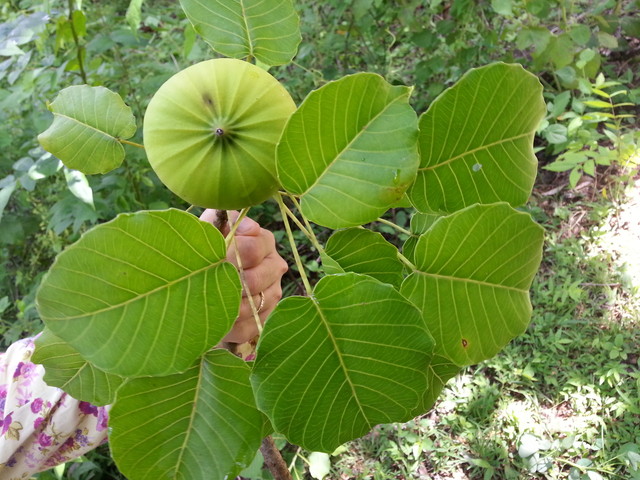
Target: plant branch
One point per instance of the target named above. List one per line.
(133, 144)
(273, 459)
(76, 39)
(294, 248)
(221, 221)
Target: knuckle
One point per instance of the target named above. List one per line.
(270, 237)
(283, 265)
(277, 295)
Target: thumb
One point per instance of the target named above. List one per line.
(247, 227)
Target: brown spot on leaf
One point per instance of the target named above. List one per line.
(464, 343)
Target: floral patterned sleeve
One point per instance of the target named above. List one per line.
(41, 426)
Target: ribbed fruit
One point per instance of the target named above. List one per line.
(211, 130)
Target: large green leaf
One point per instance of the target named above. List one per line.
(265, 29)
(333, 365)
(476, 141)
(145, 294)
(474, 270)
(362, 251)
(87, 125)
(200, 424)
(350, 150)
(66, 369)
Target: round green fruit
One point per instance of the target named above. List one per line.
(210, 133)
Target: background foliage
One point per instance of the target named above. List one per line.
(577, 362)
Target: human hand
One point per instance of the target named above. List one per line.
(262, 267)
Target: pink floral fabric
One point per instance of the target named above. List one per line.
(41, 426)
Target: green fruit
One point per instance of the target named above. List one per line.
(210, 133)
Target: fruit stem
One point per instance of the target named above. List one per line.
(134, 144)
(294, 248)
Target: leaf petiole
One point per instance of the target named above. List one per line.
(232, 232)
(407, 262)
(229, 239)
(296, 255)
(308, 231)
(252, 304)
(393, 225)
(298, 223)
(133, 144)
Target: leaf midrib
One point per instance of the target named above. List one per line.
(356, 137)
(138, 297)
(474, 150)
(338, 354)
(247, 30)
(471, 280)
(190, 429)
(91, 127)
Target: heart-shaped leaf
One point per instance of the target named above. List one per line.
(476, 141)
(66, 369)
(350, 150)
(362, 251)
(265, 29)
(87, 125)
(200, 424)
(145, 294)
(331, 366)
(474, 270)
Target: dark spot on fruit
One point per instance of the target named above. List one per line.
(208, 101)
(464, 343)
